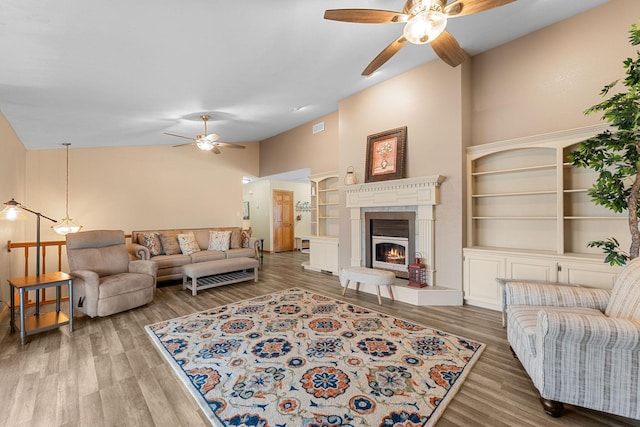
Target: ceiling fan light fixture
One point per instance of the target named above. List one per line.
(426, 25)
(204, 144)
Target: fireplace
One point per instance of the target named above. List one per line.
(410, 199)
(389, 240)
(390, 253)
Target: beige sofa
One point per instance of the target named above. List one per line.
(170, 259)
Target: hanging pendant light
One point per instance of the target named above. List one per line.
(66, 225)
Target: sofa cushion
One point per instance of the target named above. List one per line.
(188, 244)
(151, 240)
(170, 245)
(123, 283)
(241, 252)
(207, 255)
(219, 240)
(524, 318)
(178, 260)
(245, 237)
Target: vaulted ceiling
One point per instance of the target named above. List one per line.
(119, 73)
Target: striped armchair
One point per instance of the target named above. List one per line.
(580, 346)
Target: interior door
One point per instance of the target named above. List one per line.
(282, 221)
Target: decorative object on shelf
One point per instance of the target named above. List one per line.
(385, 155)
(66, 224)
(303, 206)
(417, 273)
(245, 210)
(15, 211)
(350, 178)
(616, 157)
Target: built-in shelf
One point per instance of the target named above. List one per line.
(530, 216)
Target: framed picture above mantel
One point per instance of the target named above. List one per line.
(386, 155)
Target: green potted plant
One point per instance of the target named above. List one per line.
(615, 155)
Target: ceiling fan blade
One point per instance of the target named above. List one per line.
(228, 145)
(385, 55)
(182, 145)
(468, 7)
(179, 136)
(215, 150)
(365, 16)
(448, 49)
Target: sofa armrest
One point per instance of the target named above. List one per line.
(533, 292)
(138, 251)
(588, 331)
(86, 291)
(144, 267)
(254, 243)
(557, 295)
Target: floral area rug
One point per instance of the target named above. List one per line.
(297, 359)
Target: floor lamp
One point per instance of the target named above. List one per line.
(15, 211)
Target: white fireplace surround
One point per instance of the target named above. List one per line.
(421, 194)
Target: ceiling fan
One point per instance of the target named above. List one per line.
(206, 142)
(425, 22)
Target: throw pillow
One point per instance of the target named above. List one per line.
(188, 244)
(219, 240)
(246, 235)
(236, 238)
(170, 244)
(152, 241)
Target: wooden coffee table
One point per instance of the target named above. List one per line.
(45, 321)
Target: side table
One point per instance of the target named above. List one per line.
(41, 321)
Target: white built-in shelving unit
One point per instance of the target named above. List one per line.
(323, 242)
(529, 215)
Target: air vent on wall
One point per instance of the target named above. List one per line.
(318, 127)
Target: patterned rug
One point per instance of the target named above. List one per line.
(298, 359)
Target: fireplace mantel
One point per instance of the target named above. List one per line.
(398, 192)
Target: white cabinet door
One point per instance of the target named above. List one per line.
(323, 254)
(592, 274)
(480, 273)
(532, 269)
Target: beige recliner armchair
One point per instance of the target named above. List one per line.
(105, 281)
(579, 345)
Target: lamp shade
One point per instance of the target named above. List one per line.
(13, 212)
(66, 226)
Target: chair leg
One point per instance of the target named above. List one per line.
(552, 407)
(344, 288)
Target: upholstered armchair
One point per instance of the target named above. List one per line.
(579, 345)
(105, 281)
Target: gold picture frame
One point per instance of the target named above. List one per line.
(386, 155)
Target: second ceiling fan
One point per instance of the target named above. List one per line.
(206, 142)
(425, 22)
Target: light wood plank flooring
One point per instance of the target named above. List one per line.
(108, 373)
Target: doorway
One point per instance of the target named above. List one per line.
(283, 235)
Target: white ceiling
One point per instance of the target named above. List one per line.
(122, 72)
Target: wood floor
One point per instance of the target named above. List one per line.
(108, 373)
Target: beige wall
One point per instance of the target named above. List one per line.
(544, 81)
(300, 148)
(12, 185)
(133, 188)
(428, 100)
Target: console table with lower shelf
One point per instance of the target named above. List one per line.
(40, 322)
